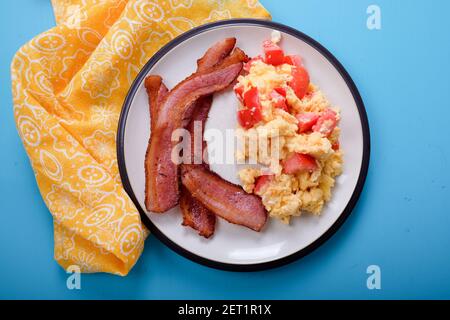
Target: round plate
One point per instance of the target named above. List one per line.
(233, 247)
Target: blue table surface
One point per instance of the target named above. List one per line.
(401, 222)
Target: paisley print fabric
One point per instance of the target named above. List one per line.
(68, 85)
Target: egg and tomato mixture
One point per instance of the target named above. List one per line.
(293, 129)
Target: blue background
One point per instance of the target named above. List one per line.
(401, 223)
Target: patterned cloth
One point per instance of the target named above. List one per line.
(68, 85)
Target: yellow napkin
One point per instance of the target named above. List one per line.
(68, 85)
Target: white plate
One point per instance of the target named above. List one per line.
(233, 247)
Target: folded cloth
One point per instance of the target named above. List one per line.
(68, 85)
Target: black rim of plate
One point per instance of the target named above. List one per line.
(263, 265)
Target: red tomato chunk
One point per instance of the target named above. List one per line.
(299, 162)
(293, 60)
(335, 146)
(251, 98)
(274, 55)
(300, 81)
(262, 181)
(249, 117)
(326, 123)
(279, 100)
(239, 91)
(306, 121)
(281, 91)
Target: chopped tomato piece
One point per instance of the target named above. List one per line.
(262, 181)
(251, 98)
(306, 121)
(249, 117)
(279, 100)
(300, 81)
(274, 55)
(326, 123)
(298, 162)
(335, 146)
(281, 91)
(293, 60)
(248, 64)
(239, 90)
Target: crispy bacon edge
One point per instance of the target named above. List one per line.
(195, 214)
(226, 200)
(176, 107)
(156, 91)
(251, 213)
(243, 209)
(164, 192)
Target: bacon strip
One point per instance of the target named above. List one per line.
(216, 54)
(162, 189)
(156, 91)
(225, 199)
(205, 190)
(195, 214)
(199, 118)
(179, 102)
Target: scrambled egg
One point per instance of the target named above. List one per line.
(277, 137)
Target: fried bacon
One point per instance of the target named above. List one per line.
(195, 215)
(162, 188)
(203, 193)
(156, 91)
(225, 199)
(178, 104)
(216, 54)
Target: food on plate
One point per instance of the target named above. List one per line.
(196, 215)
(215, 194)
(301, 157)
(156, 91)
(174, 112)
(216, 54)
(229, 202)
(290, 121)
(225, 199)
(186, 103)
